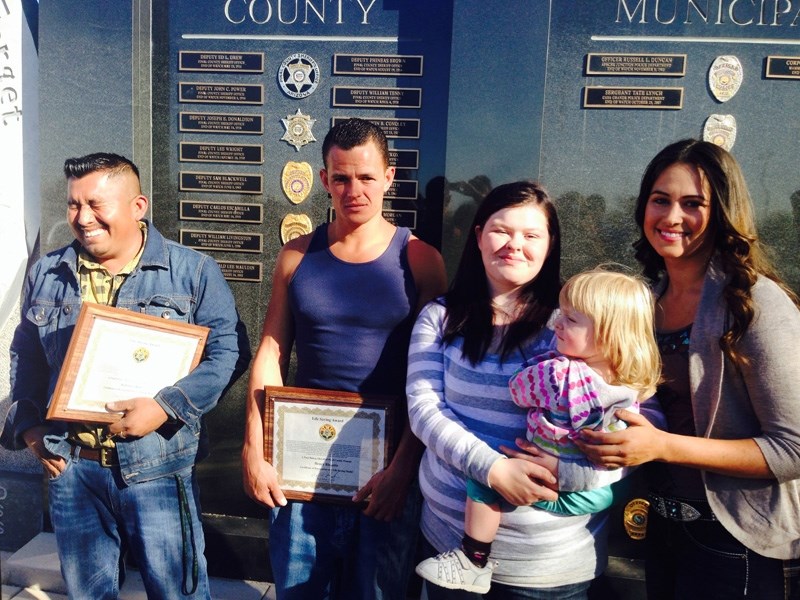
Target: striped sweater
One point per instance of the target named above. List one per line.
(565, 395)
(463, 413)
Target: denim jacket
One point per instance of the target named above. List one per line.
(171, 281)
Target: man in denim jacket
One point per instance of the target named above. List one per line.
(129, 485)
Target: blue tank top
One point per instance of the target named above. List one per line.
(353, 321)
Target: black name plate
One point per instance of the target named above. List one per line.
(402, 189)
(240, 271)
(404, 159)
(782, 67)
(192, 122)
(225, 241)
(392, 128)
(369, 97)
(645, 65)
(670, 98)
(196, 210)
(241, 183)
(377, 64)
(251, 154)
(221, 93)
(400, 217)
(221, 62)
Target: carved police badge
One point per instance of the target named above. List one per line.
(725, 77)
(720, 130)
(296, 181)
(634, 518)
(298, 75)
(294, 226)
(298, 130)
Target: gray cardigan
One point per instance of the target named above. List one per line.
(762, 401)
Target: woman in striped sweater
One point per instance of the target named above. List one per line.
(464, 347)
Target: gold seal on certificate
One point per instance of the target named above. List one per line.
(720, 130)
(326, 445)
(294, 225)
(117, 354)
(298, 130)
(327, 432)
(725, 77)
(634, 518)
(296, 181)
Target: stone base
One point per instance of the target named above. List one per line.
(21, 508)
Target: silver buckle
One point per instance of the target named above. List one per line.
(674, 509)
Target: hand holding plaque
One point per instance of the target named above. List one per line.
(326, 445)
(117, 354)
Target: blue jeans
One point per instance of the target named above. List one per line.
(499, 591)
(96, 516)
(700, 559)
(330, 551)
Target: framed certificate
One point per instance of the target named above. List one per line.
(326, 445)
(117, 354)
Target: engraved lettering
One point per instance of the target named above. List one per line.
(320, 15)
(743, 13)
(228, 13)
(366, 10)
(732, 15)
(252, 12)
(261, 12)
(670, 19)
(9, 94)
(624, 4)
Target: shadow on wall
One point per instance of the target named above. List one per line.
(593, 234)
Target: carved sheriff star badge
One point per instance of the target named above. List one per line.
(298, 75)
(298, 130)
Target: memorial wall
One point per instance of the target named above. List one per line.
(224, 104)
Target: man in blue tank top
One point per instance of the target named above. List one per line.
(346, 297)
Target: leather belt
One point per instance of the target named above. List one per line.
(107, 457)
(683, 511)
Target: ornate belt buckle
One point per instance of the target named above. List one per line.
(688, 512)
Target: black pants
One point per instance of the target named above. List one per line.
(701, 560)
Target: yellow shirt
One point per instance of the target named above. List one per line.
(101, 287)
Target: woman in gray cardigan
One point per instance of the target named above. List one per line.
(724, 519)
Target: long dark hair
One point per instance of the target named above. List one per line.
(469, 305)
(737, 247)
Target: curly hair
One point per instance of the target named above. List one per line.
(736, 244)
(620, 307)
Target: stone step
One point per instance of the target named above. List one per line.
(33, 571)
